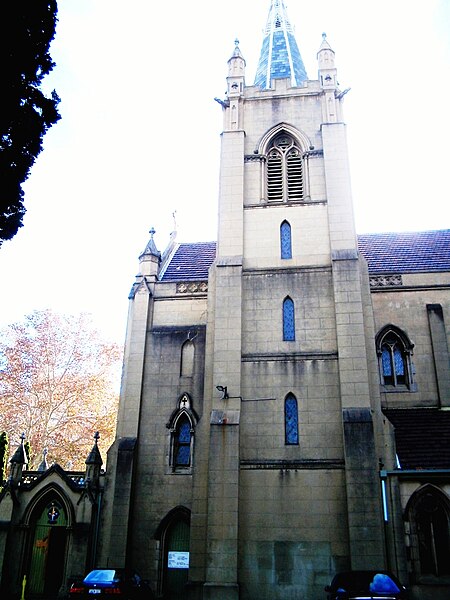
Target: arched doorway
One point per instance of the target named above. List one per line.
(47, 547)
(174, 533)
(428, 511)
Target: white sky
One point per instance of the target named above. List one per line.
(139, 136)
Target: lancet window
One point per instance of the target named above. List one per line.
(285, 240)
(291, 419)
(182, 429)
(288, 320)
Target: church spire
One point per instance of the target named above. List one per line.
(280, 56)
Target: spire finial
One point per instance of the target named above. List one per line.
(150, 248)
(96, 437)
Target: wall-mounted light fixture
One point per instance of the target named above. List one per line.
(224, 390)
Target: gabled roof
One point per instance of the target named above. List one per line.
(407, 252)
(422, 437)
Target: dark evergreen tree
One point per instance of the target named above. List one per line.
(4, 444)
(27, 448)
(27, 29)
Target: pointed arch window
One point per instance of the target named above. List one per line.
(288, 320)
(182, 442)
(429, 515)
(285, 179)
(187, 359)
(394, 351)
(291, 420)
(182, 428)
(285, 240)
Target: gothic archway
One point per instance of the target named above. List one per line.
(174, 535)
(48, 519)
(428, 512)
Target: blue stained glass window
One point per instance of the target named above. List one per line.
(398, 361)
(386, 360)
(288, 320)
(291, 419)
(285, 240)
(183, 443)
(394, 350)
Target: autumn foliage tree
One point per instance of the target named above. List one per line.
(58, 385)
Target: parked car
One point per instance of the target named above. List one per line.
(123, 584)
(356, 585)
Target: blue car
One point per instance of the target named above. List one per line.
(123, 584)
(367, 585)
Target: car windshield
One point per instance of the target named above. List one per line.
(101, 576)
(366, 581)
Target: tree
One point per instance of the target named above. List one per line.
(27, 29)
(58, 385)
(3, 456)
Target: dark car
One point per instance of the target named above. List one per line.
(123, 584)
(356, 585)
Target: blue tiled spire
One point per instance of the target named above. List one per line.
(280, 56)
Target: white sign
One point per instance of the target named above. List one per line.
(178, 560)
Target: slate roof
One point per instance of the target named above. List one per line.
(422, 437)
(407, 252)
(190, 262)
(280, 56)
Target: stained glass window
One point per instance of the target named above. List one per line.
(393, 360)
(291, 419)
(285, 240)
(288, 320)
(182, 443)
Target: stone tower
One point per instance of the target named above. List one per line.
(250, 430)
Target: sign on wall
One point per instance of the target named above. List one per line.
(178, 560)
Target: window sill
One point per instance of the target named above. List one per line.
(399, 389)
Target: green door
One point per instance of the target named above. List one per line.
(48, 551)
(176, 568)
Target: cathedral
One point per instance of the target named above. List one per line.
(285, 400)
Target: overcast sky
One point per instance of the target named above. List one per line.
(139, 136)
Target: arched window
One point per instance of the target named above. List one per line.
(288, 320)
(291, 420)
(182, 442)
(394, 351)
(285, 240)
(284, 170)
(182, 427)
(429, 514)
(187, 359)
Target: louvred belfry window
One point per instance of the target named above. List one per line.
(284, 170)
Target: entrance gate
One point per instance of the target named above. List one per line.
(48, 550)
